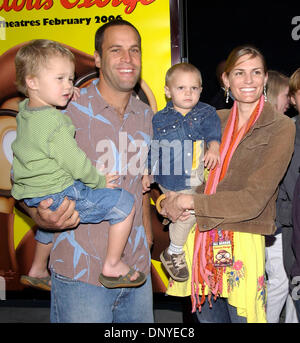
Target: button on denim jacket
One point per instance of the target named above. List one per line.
(171, 155)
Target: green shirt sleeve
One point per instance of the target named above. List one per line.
(64, 149)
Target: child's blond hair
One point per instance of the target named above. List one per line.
(277, 82)
(185, 67)
(35, 54)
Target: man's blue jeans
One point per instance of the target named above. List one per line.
(79, 302)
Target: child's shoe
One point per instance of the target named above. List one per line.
(175, 265)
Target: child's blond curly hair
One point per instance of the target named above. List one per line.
(32, 56)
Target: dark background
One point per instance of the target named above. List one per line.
(213, 30)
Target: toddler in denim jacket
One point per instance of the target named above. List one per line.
(177, 158)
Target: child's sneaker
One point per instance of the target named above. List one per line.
(175, 265)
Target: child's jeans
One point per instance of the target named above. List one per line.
(93, 205)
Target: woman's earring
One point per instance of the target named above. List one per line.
(227, 95)
(265, 93)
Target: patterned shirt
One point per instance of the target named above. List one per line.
(120, 145)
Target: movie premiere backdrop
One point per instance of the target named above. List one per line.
(73, 23)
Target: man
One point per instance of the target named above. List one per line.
(111, 127)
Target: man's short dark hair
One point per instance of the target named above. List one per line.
(100, 32)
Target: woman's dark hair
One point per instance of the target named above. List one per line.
(240, 51)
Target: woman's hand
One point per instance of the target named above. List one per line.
(175, 206)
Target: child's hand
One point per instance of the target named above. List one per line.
(146, 183)
(212, 156)
(111, 180)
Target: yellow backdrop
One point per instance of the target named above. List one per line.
(151, 17)
(74, 22)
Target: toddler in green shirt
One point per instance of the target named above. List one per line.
(47, 162)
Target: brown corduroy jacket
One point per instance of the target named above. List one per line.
(245, 198)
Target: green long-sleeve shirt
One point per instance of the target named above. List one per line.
(46, 156)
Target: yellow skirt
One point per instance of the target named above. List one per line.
(243, 283)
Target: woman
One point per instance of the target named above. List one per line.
(238, 207)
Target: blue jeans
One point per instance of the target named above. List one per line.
(93, 205)
(221, 312)
(74, 301)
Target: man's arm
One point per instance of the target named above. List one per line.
(147, 218)
(65, 217)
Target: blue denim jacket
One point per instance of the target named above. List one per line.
(171, 155)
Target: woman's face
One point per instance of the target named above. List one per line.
(283, 100)
(247, 79)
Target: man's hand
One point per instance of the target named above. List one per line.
(147, 219)
(65, 217)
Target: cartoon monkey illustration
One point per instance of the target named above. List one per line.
(223, 258)
(8, 127)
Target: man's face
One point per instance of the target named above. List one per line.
(120, 64)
